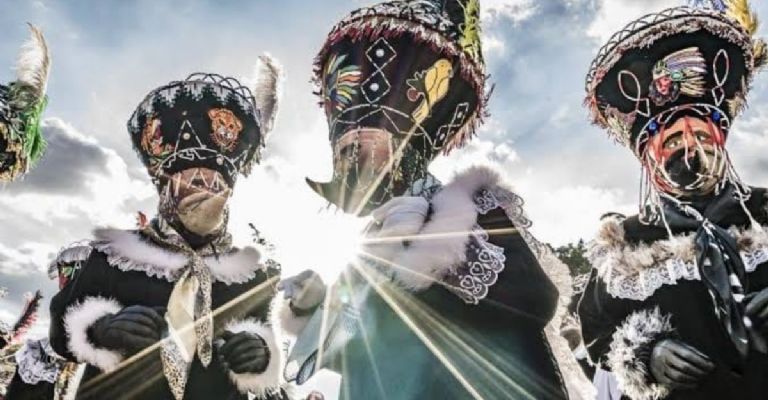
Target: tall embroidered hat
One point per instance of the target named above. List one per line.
(411, 68)
(696, 61)
(206, 121)
(22, 103)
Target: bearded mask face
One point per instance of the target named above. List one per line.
(197, 199)
(687, 158)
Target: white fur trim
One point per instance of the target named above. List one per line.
(78, 318)
(638, 332)
(636, 271)
(129, 252)
(577, 384)
(428, 260)
(269, 381)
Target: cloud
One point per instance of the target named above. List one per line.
(515, 10)
(70, 161)
(616, 14)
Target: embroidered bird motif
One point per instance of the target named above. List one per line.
(431, 86)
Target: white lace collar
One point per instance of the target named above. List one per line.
(636, 271)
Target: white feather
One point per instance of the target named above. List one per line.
(34, 62)
(267, 89)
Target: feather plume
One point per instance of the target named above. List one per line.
(760, 53)
(27, 318)
(740, 11)
(266, 90)
(34, 63)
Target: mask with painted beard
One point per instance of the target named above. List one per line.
(687, 158)
(197, 200)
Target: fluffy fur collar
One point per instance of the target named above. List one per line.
(128, 251)
(454, 210)
(636, 270)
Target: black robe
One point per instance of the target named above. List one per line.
(124, 268)
(645, 287)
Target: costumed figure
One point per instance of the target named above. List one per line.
(677, 305)
(452, 295)
(12, 342)
(172, 310)
(22, 103)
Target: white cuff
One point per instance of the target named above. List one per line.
(630, 354)
(269, 381)
(78, 318)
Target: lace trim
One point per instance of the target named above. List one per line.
(645, 283)
(37, 362)
(125, 264)
(472, 280)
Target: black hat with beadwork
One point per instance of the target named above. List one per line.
(406, 67)
(206, 121)
(696, 61)
(22, 103)
(407, 76)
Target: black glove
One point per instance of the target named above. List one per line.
(244, 352)
(678, 365)
(757, 310)
(131, 330)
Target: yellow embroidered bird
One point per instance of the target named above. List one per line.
(431, 86)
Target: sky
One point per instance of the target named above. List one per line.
(107, 55)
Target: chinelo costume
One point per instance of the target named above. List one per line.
(678, 284)
(201, 132)
(22, 103)
(457, 301)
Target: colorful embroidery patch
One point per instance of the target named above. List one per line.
(341, 84)
(431, 86)
(681, 72)
(225, 128)
(152, 139)
(67, 273)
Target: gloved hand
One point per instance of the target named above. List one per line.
(402, 217)
(129, 331)
(305, 291)
(678, 365)
(244, 353)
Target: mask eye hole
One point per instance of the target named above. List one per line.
(701, 136)
(674, 140)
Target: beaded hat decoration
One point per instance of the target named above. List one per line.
(206, 121)
(683, 60)
(406, 72)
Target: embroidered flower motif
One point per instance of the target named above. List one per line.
(152, 143)
(341, 84)
(225, 128)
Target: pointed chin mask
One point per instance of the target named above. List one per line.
(197, 198)
(363, 162)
